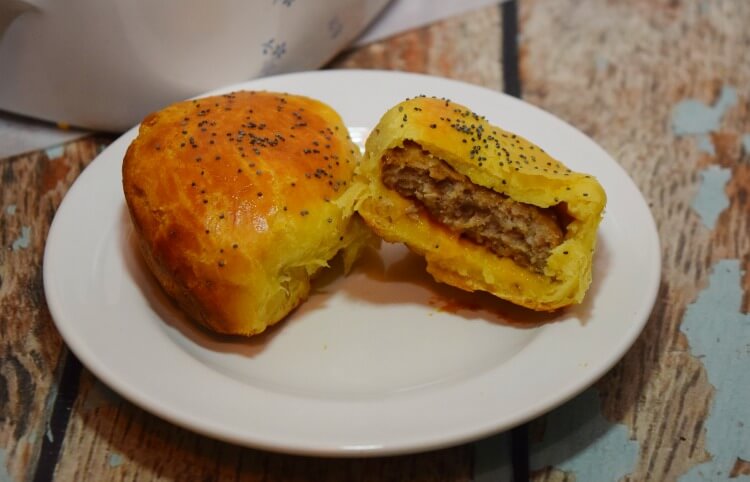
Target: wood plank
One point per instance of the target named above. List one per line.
(110, 439)
(466, 47)
(32, 188)
(115, 440)
(664, 86)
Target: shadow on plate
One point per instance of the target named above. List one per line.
(386, 282)
(393, 275)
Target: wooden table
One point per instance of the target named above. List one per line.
(663, 85)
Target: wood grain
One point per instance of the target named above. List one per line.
(114, 440)
(616, 70)
(466, 47)
(110, 439)
(32, 187)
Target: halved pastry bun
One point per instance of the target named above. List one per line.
(487, 209)
(238, 200)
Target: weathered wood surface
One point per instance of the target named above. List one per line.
(664, 86)
(110, 439)
(32, 188)
(466, 47)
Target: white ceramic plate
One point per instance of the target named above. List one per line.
(383, 361)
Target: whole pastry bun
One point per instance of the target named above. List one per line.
(487, 209)
(239, 199)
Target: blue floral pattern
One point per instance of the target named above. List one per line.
(335, 26)
(273, 50)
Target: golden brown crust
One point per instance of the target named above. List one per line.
(498, 160)
(238, 199)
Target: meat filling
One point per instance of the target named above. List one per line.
(519, 231)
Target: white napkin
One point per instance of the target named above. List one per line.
(20, 134)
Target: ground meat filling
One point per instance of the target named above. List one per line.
(522, 232)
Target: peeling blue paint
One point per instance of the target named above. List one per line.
(115, 460)
(10, 209)
(711, 199)
(692, 117)
(746, 143)
(705, 144)
(492, 459)
(579, 440)
(719, 334)
(54, 152)
(23, 241)
(4, 474)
